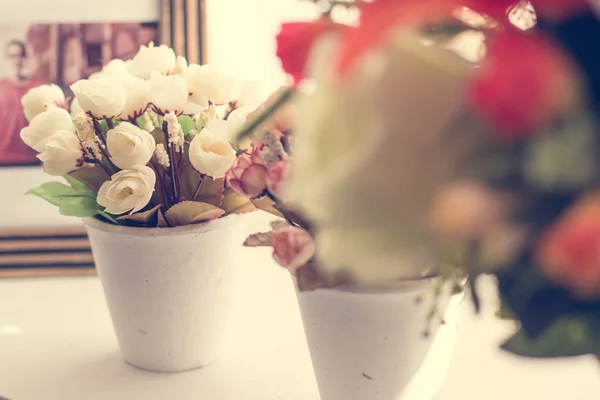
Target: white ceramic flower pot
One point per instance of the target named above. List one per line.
(169, 290)
(370, 345)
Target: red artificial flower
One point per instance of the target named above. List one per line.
(524, 82)
(294, 42)
(379, 17)
(558, 9)
(569, 252)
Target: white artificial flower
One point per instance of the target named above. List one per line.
(103, 98)
(252, 94)
(210, 84)
(239, 116)
(129, 145)
(369, 155)
(36, 100)
(63, 153)
(222, 129)
(137, 95)
(114, 68)
(210, 154)
(75, 108)
(168, 93)
(180, 66)
(45, 125)
(128, 190)
(149, 59)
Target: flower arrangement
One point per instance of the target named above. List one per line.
(146, 142)
(411, 158)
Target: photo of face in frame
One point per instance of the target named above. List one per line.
(62, 53)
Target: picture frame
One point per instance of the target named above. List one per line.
(183, 28)
(35, 240)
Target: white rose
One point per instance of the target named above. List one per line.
(237, 118)
(207, 83)
(114, 68)
(168, 93)
(127, 190)
(180, 66)
(151, 59)
(75, 108)
(103, 98)
(137, 96)
(129, 145)
(371, 153)
(44, 125)
(252, 94)
(62, 153)
(36, 100)
(210, 154)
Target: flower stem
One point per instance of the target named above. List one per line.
(262, 117)
(106, 156)
(197, 192)
(110, 123)
(99, 131)
(161, 180)
(172, 167)
(133, 121)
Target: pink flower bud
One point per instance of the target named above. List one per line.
(248, 175)
(292, 247)
(278, 174)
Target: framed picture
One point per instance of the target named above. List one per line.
(58, 41)
(183, 28)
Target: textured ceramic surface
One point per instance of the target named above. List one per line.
(370, 345)
(168, 290)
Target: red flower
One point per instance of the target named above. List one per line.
(569, 252)
(294, 42)
(524, 82)
(292, 247)
(379, 17)
(248, 175)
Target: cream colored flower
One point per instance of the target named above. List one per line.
(168, 94)
(129, 145)
(103, 98)
(75, 108)
(149, 59)
(128, 190)
(62, 155)
(114, 68)
(180, 66)
(370, 155)
(210, 84)
(45, 125)
(36, 100)
(210, 154)
(137, 95)
(252, 94)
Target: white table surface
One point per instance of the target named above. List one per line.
(57, 343)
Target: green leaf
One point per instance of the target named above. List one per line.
(211, 191)
(80, 187)
(192, 212)
(568, 337)
(69, 200)
(187, 123)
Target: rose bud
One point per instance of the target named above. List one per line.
(277, 175)
(292, 247)
(248, 175)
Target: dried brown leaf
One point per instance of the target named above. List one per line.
(236, 204)
(93, 177)
(211, 191)
(266, 204)
(192, 212)
(260, 239)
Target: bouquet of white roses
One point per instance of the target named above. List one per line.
(146, 141)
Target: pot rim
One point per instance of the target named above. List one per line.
(96, 224)
(396, 286)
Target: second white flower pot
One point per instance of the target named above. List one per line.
(370, 345)
(169, 290)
